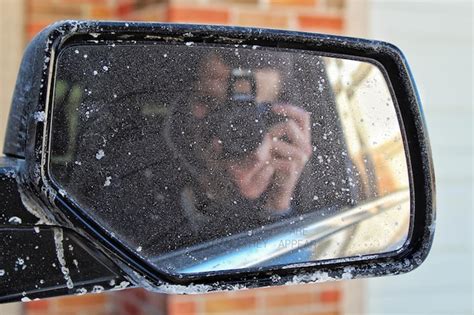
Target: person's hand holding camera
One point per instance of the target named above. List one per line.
(276, 165)
(288, 158)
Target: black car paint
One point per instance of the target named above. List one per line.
(29, 263)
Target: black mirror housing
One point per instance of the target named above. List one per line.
(27, 148)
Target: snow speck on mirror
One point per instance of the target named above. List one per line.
(100, 154)
(14, 220)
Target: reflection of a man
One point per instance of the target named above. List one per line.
(177, 176)
(287, 165)
(272, 167)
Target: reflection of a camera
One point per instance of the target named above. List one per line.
(241, 123)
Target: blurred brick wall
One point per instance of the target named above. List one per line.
(322, 299)
(91, 304)
(309, 15)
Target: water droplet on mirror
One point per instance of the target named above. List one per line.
(107, 181)
(14, 220)
(81, 291)
(275, 278)
(100, 154)
(97, 289)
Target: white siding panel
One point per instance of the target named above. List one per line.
(436, 37)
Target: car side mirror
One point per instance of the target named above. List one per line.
(198, 158)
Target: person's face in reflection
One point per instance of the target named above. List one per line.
(276, 164)
(213, 79)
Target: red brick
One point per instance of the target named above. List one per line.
(231, 2)
(230, 304)
(37, 306)
(323, 313)
(262, 19)
(294, 3)
(330, 296)
(129, 308)
(321, 22)
(124, 9)
(139, 294)
(80, 301)
(61, 9)
(36, 2)
(149, 13)
(182, 308)
(102, 12)
(34, 28)
(87, 1)
(290, 299)
(197, 15)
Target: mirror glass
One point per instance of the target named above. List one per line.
(204, 158)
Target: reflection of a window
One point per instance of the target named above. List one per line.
(378, 153)
(68, 97)
(375, 145)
